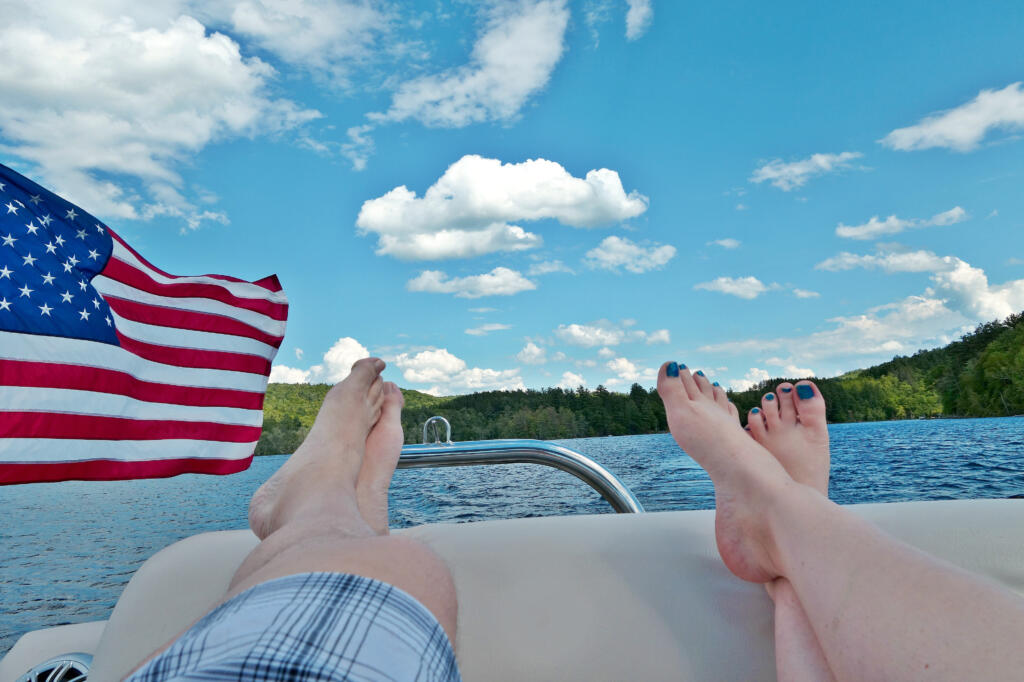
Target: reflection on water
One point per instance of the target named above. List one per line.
(67, 549)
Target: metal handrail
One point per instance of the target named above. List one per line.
(521, 451)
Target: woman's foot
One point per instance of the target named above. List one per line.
(327, 464)
(791, 425)
(748, 479)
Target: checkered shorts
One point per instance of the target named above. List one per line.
(311, 626)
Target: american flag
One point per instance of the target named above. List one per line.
(110, 368)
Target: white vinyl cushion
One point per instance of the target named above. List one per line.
(608, 597)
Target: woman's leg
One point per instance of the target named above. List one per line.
(880, 609)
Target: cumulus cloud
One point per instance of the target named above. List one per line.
(485, 329)
(727, 243)
(614, 253)
(548, 267)
(659, 336)
(789, 176)
(889, 261)
(638, 18)
(964, 127)
(607, 333)
(627, 371)
(571, 380)
(743, 287)
(282, 374)
(606, 352)
(805, 293)
(105, 104)
(893, 225)
(335, 366)
(498, 282)
(751, 379)
(468, 211)
(298, 353)
(532, 354)
(447, 373)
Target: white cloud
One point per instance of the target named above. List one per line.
(752, 378)
(659, 336)
(789, 370)
(498, 282)
(467, 212)
(805, 293)
(298, 353)
(789, 176)
(627, 371)
(571, 380)
(282, 374)
(893, 225)
(638, 18)
(483, 310)
(743, 287)
(532, 354)
(889, 261)
(614, 253)
(96, 97)
(606, 333)
(964, 127)
(448, 373)
(741, 207)
(606, 352)
(485, 329)
(727, 243)
(548, 267)
(512, 60)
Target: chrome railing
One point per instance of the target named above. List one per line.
(518, 451)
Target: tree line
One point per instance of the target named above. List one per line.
(979, 375)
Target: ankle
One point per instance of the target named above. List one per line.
(790, 505)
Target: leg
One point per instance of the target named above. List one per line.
(879, 608)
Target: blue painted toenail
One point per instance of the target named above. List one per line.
(787, 389)
(755, 411)
(770, 396)
(672, 370)
(805, 391)
(700, 372)
(682, 365)
(716, 384)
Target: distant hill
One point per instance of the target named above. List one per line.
(980, 375)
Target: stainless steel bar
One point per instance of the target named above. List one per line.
(524, 451)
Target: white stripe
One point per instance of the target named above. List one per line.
(188, 338)
(55, 349)
(94, 403)
(266, 324)
(51, 450)
(240, 289)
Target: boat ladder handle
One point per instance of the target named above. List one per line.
(522, 451)
(433, 421)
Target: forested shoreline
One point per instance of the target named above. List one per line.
(980, 375)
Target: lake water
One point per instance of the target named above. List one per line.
(67, 549)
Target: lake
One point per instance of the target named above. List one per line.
(67, 549)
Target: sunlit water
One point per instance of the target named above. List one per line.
(67, 549)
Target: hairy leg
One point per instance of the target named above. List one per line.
(880, 608)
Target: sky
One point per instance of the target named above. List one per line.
(509, 194)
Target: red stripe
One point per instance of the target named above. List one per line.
(200, 359)
(126, 274)
(187, 319)
(77, 377)
(270, 283)
(93, 427)
(111, 470)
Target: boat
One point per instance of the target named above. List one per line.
(626, 596)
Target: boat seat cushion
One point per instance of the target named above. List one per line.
(605, 597)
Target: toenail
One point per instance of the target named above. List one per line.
(787, 389)
(716, 384)
(682, 365)
(770, 396)
(672, 370)
(755, 410)
(700, 372)
(805, 391)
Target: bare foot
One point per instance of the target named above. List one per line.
(791, 424)
(383, 447)
(330, 458)
(747, 478)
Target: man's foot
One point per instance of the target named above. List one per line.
(790, 424)
(383, 447)
(320, 477)
(747, 478)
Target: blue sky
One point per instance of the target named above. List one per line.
(528, 193)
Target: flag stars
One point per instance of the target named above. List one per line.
(51, 248)
(71, 214)
(6, 305)
(32, 228)
(80, 235)
(5, 273)
(59, 240)
(67, 266)
(66, 297)
(82, 284)
(25, 292)
(35, 199)
(93, 254)
(73, 260)
(96, 303)
(83, 314)
(44, 309)
(9, 240)
(99, 228)
(108, 321)
(48, 278)
(11, 208)
(46, 220)
(29, 260)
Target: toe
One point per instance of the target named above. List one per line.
(367, 370)
(787, 410)
(810, 406)
(704, 384)
(770, 409)
(670, 385)
(755, 422)
(720, 397)
(689, 382)
(733, 411)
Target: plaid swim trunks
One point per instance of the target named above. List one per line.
(311, 626)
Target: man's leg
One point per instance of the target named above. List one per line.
(880, 609)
